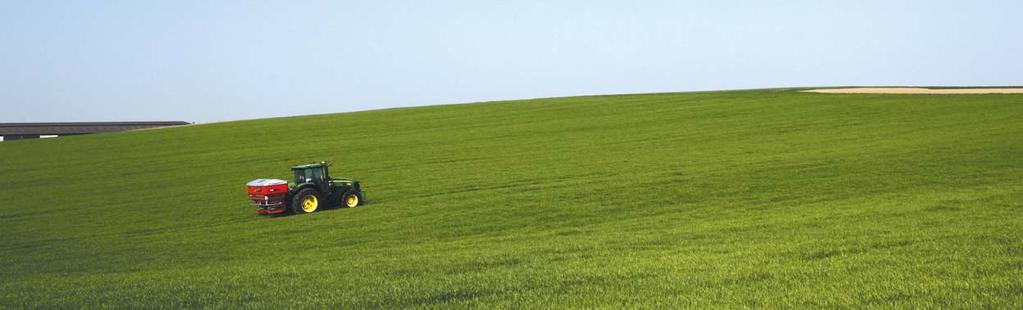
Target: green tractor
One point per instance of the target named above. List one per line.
(310, 190)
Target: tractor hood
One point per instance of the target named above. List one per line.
(343, 181)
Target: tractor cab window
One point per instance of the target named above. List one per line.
(308, 175)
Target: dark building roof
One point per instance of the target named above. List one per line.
(10, 129)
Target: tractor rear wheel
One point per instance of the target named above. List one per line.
(351, 199)
(306, 201)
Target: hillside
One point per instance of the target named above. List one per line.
(766, 198)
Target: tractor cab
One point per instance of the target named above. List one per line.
(316, 174)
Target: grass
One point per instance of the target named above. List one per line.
(767, 198)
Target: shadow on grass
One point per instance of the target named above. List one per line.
(290, 213)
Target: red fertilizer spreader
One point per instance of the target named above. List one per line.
(268, 195)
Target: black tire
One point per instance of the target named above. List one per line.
(297, 202)
(348, 203)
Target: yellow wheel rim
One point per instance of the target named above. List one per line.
(309, 203)
(352, 200)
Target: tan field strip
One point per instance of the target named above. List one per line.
(917, 90)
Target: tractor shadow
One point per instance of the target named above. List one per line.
(290, 214)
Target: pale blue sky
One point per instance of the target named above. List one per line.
(224, 60)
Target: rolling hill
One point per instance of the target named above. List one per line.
(760, 198)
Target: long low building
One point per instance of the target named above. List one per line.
(19, 131)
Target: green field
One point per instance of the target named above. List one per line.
(765, 198)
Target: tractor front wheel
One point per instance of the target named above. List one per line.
(306, 201)
(351, 199)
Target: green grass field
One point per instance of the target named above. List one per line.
(766, 198)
